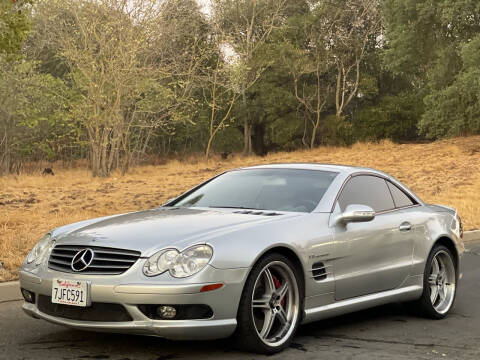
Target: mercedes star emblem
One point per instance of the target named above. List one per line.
(82, 260)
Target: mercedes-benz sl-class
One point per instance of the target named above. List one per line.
(252, 253)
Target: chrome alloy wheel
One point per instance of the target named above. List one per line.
(275, 303)
(442, 279)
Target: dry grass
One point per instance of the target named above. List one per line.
(445, 172)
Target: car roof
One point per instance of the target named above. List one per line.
(345, 169)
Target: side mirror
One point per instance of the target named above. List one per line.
(356, 213)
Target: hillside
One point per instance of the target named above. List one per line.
(445, 172)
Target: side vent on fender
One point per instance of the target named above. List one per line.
(319, 271)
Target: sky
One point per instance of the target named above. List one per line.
(205, 4)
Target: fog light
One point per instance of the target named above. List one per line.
(166, 312)
(28, 296)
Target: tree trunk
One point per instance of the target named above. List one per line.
(247, 131)
(101, 147)
(314, 135)
(258, 140)
(304, 141)
(212, 115)
(209, 145)
(95, 158)
(114, 149)
(5, 158)
(214, 129)
(103, 154)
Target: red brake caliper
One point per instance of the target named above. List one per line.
(277, 284)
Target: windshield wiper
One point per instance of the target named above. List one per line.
(234, 207)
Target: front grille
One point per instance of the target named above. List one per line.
(106, 261)
(96, 312)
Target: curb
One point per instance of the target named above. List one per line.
(10, 291)
(471, 235)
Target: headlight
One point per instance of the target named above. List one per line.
(179, 264)
(39, 250)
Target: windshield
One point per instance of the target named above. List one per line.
(262, 189)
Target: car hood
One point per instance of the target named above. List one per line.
(150, 230)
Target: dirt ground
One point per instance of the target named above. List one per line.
(444, 172)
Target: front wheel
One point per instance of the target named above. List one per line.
(269, 311)
(440, 280)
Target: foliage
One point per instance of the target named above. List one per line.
(455, 109)
(14, 26)
(436, 46)
(34, 118)
(120, 82)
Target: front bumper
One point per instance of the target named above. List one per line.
(170, 329)
(131, 290)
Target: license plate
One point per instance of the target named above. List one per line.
(71, 292)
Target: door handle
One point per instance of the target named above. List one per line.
(405, 226)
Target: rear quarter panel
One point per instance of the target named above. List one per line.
(434, 224)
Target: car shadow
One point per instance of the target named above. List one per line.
(390, 312)
(90, 345)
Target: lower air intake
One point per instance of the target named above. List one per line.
(96, 312)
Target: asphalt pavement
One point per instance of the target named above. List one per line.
(386, 332)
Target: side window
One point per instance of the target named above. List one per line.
(366, 190)
(399, 197)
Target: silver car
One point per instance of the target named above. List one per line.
(253, 253)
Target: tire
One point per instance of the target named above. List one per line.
(439, 291)
(270, 308)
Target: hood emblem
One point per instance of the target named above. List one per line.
(82, 260)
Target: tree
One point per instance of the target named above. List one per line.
(455, 109)
(99, 42)
(326, 49)
(221, 96)
(349, 28)
(429, 43)
(133, 67)
(123, 81)
(14, 26)
(248, 25)
(182, 49)
(33, 120)
(276, 119)
(306, 60)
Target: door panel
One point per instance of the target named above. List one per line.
(373, 256)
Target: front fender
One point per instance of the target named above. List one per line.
(244, 247)
(307, 236)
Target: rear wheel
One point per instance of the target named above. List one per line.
(440, 280)
(269, 311)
